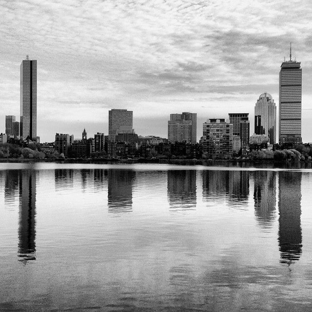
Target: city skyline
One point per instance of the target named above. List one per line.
(151, 57)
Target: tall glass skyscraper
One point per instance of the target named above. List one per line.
(265, 117)
(290, 92)
(28, 100)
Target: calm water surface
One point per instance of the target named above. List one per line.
(154, 238)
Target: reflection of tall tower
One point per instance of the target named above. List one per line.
(265, 196)
(182, 188)
(238, 185)
(120, 184)
(290, 236)
(27, 222)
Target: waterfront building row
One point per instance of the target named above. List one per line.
(183, 127)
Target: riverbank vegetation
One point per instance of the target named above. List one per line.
(36, 151)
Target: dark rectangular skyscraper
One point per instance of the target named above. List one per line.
(290, 90)
(9, 124)
(28, 124)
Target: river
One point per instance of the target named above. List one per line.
(151, 237)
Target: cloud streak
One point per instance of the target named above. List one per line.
(112, 54)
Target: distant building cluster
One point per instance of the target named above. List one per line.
(220, 138)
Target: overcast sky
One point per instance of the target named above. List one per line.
(154, 57)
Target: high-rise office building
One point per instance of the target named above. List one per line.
(241, 128)
(182, 128)
(9, 125)
(235, 119)
(265, 117)
(99, 141)
(62, 143)
(28, 122)
(16, 129)
(290, 92)
(119, 121)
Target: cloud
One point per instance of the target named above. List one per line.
(127, 52)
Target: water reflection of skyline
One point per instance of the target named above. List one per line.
(230, 185)
(11, 185)
(265, 197)
(63, 177)
(27, 216)
(289, 205)
(120, 184)
(181, 188)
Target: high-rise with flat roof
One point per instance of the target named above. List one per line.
(265, 117)
(119, 121)
(241, 128)
(9, 125)
(182, 128)
(217, 138)
(235, 119)
(28, 100)
(290, 106)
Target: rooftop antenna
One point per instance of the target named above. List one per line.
(290, 52)
(27, 57)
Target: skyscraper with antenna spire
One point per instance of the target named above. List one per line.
(290, 103)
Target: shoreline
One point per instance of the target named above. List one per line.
(266, 163)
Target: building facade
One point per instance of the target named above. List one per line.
(244, 127)
(217, 138)
(241, 128)
(265, 117)
(119, 121)
(9, 125)
(16, 129)
(290, 105)
(235, 119)
(28, 99)
(99, 142)
(62, 143)
(182, 128)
